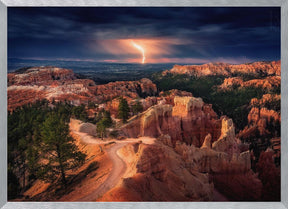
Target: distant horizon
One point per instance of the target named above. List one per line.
(147, 63)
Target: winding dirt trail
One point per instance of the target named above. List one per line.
(119, 166)
(118, 169)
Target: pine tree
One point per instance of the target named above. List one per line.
(59, 152)
(137, 107)
(13, 185)
(105, 122)
(123, 110)
(33, 153)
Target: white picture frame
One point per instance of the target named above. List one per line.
(147, 205)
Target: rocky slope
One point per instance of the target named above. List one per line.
(82, 180)
(51, 83)
(157, 173)
(154, 172)
(267, 68)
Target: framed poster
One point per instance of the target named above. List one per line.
(148, 104)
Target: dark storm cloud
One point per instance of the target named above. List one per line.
(206, 33)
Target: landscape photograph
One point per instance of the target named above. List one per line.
(144, 104)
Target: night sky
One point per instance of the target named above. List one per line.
(176, 35)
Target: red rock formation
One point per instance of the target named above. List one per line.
(266, 98)
(269, 175)
(260, 118)
(269, 68)
(154, 175)
(19, 97)
(131, 89)
(149, 102)
(220, 156)
(231, 168)
(61, 84)
(189, 120)
(40, 76)
(265, 83)
(266, 115)
(170, 95)
(220, 153)
(164, 98)
(231, 82)
(199, 70)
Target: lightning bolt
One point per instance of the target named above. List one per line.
(140, 48)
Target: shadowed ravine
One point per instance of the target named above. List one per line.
(219, 197)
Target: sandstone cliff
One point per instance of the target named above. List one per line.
(205, 143)
(189, 120)
(268, 68)
(157, 173)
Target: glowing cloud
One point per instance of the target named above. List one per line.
(153, 50)
(140, 48)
